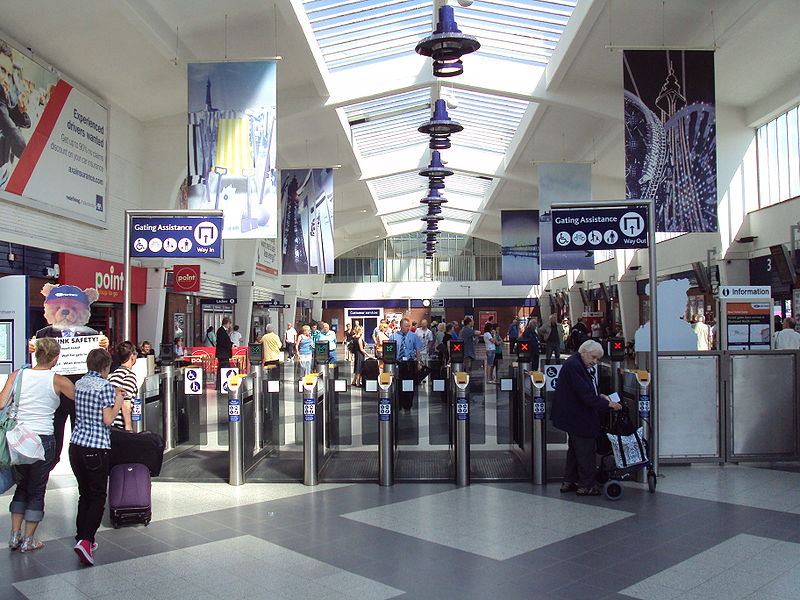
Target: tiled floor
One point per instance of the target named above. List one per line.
(709, 532)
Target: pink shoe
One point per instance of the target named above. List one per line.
(84, 550)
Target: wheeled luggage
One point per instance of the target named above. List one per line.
(129, 495)
(144, 448)
(369, 370)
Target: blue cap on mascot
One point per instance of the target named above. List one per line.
(68, 291)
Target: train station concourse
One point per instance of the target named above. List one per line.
(401, 298)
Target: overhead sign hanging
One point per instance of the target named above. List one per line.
(176, 237)
(600, 228)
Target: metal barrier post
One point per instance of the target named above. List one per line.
(461, 380)
(647, 411)
(258, 412)
(310, 466)
(167, 404)
(235, 434)
(539, 445)
(385, 430)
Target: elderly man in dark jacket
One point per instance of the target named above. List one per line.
(576, 410)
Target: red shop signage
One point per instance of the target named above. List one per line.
(105, 276)
(186, 278)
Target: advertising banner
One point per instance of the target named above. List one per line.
(232, 116)
(600, 228)
(520, 246)
(54, 141)
(671, 136)
(106, 277)
(13, 321)
(307, 233)
(562, 182)
(176, 237)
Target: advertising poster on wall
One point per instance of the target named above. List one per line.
(671, 136)
(307, 232)
(13, 322)
(520, 246)
(53, 141)
(267, 257)
(562, 182)
(232, 116)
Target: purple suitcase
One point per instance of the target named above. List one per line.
(129, 494)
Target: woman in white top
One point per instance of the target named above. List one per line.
(488, 340)
(37, 401)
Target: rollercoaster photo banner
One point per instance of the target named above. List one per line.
(671, 136)
(231, 120)
(307, 230)
(562, 182)
(519, 231)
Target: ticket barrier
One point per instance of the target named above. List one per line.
(386, 406)
(539, 441)
(646, 414)
(310, 443)
(235, 432)
(461, 407)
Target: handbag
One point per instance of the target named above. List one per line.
(24, 445)
(7, 421)
(629, 450)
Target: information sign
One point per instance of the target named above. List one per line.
(600, 228)
(744, 292)
(193, 380)
(385, 409)
(176, 237)
(226, 373)
(644, 406)
(462, 409)
(551, 377)
(234, 410)
(309, 409)
(136, 410)
(538, 409)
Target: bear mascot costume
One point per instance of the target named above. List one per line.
(67, 310)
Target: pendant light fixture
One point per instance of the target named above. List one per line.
(447, 45)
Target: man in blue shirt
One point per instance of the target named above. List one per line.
(327, 335)
(409, 350)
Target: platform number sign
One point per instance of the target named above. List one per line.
(234, 410)
(136, 410)
(551, 377)
(385, 409)
(309, 409)
(193, 380)
(226, 373)
(462, 409)
(644, 406)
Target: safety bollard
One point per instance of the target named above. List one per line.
(235, 435)
(385, 430)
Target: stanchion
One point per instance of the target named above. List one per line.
(385, 430)
(310, 464)
(461, 380)
(539, 445)
(167, 404)
(235, 436)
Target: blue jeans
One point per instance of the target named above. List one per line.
(32, 479)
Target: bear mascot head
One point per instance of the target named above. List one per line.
(67, 310)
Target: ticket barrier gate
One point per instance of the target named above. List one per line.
(311, 446)
(461, 408)
(539, 441)
(385, 429)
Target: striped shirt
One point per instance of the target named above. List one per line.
(92, 395)
(125, 380)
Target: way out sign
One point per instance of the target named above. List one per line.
(600, 228)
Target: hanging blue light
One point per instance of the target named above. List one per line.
(447, 45)
(436, 172)
(440, 127)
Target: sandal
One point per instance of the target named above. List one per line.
(30, 544)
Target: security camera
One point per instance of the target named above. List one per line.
(465, 3)
(286, 285)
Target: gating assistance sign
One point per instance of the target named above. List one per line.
(600, 228)
(176, 237)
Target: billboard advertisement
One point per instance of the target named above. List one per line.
(232, 116)
(53, 141)
(519, 230)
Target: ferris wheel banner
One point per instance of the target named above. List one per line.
(519, 230)
(671, 136)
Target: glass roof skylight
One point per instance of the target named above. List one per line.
(356, 32)
(405, 190)
(525, 31)
(490, 121)
(389, 123)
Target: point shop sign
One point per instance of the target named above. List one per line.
(186, 278)
(108, 278)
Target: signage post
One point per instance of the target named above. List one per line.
(626, 230)
(167, 234)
